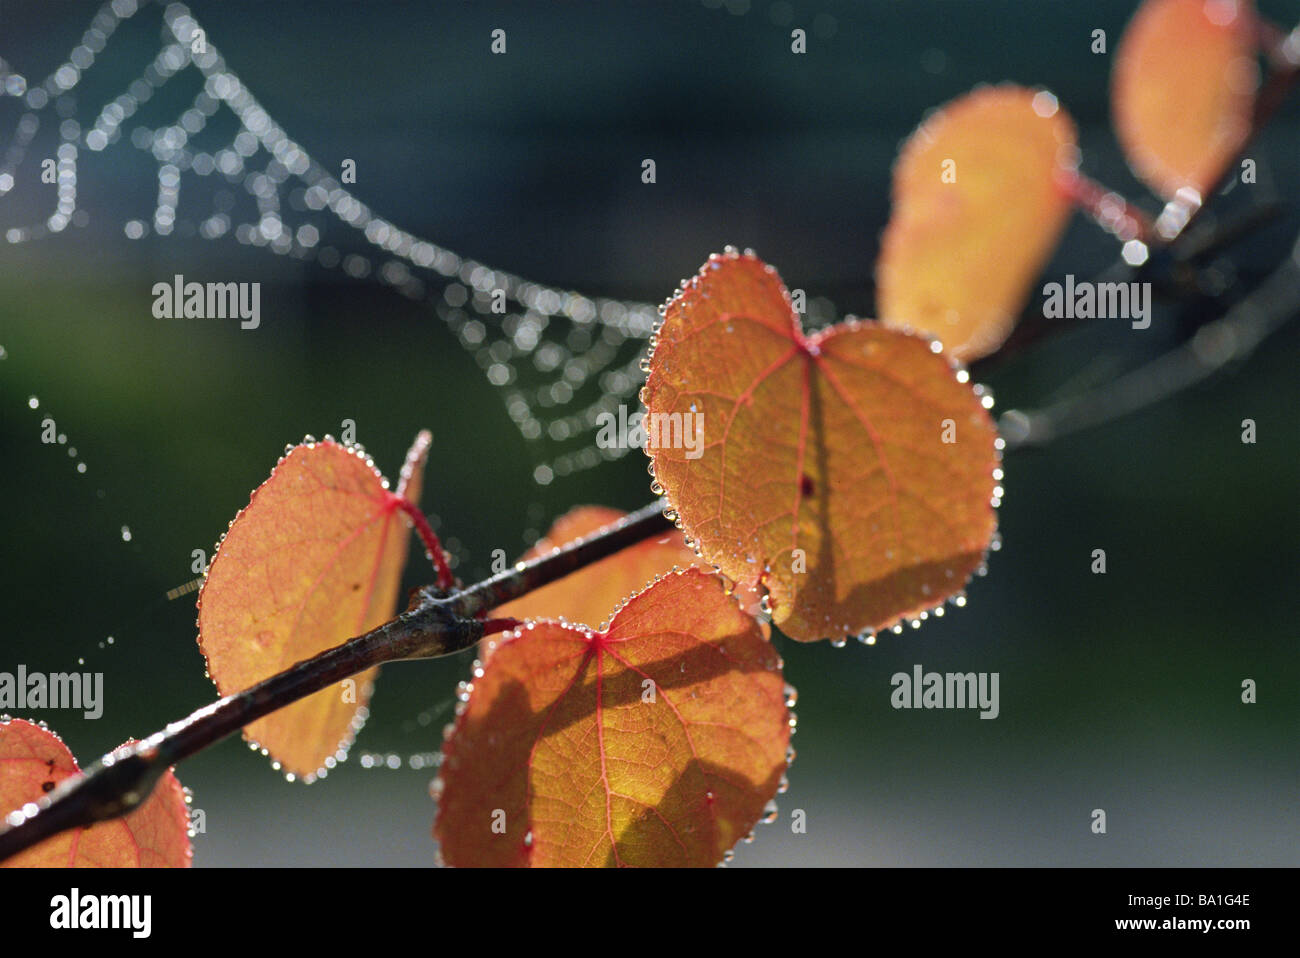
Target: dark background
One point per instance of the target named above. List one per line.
(1119, 691)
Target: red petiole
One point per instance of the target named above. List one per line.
(430, 539)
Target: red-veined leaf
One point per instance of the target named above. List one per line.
(979, 205)
(825, 462)
(315, 558)
(660, 741)
(33, 761)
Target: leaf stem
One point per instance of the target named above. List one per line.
(433, 548)
(1107, 208)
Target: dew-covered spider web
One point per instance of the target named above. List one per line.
(215, 165)
(226, 170)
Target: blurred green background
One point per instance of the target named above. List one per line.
(1119, 691)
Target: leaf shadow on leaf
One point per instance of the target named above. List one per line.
(825, 554)
(825, 561)
(690, 788)
(512, 726)
(874, 597)
(699, 664)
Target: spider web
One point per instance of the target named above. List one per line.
(559, 358)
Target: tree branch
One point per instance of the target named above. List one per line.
(1230, 338)
(437, 623)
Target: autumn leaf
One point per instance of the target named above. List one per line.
(590, 595)
(33, 761)
(855, 468)
(315, 558)
(979, 204)
(660, 741)
(1183, 90)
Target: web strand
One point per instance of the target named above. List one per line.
(558, 357)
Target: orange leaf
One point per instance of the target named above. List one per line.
(660, 741)
(978, 208)
(1183, 90)
(824, 458)
(315, 558)
(590, 595)
(33, 761)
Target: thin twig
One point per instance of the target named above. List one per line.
(1231, 338)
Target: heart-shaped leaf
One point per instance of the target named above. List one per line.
(33, 761)
(660, 741)
(315, 558)
(855, 468)
(979, 204)
(1183, 90)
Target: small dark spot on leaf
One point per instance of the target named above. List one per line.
(806, 485)
(47, 786)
